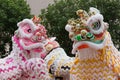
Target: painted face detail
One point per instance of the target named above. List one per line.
(26, 28)
(40, 34)
(88, 29)
(31, 34)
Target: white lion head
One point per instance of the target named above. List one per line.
(89, 30)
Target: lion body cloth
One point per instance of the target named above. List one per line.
(25, 61)
(96, 57)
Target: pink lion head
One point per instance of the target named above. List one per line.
(31, 35)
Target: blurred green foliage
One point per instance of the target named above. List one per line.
(55, 17)
(11, 12)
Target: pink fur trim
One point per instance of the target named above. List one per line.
(9, 69)
(17, 41)
(9, 60)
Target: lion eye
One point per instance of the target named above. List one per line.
(96, 25)
(29, 30)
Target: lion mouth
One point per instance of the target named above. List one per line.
(27, 44)
(87, 46)
(96, 44)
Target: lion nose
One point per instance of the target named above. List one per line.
(38, 34)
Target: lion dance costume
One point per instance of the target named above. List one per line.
(37, 57)
(96, 57)
(25, 61)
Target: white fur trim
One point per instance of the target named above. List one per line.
(92, 9)
(36, 45)
(52, 39)
(29, 21)
(87, 53)
(94, 18)
(58, 53)
(49, 40)
(68, 27)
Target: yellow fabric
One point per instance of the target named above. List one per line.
(105, 66)
(92, 69)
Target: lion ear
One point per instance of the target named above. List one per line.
(68, 28)
(52, 39)
(24, 21)
(20, 24)
(93, 11)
